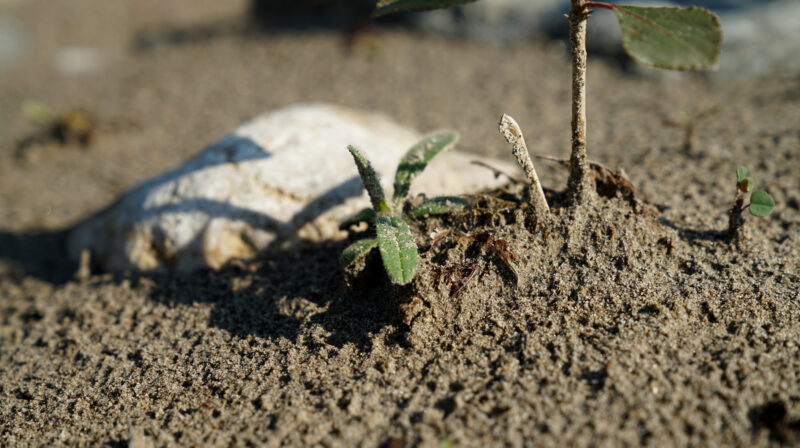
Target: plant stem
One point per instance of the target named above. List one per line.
(736, 231)
(513, 135)
(579, 187)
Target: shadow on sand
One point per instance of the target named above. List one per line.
(38, 254)
(695, 236)
(275, 296)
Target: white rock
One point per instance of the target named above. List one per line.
(284, 175)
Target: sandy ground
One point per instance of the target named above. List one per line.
(624, 329)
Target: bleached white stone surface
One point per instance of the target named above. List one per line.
(282, 176)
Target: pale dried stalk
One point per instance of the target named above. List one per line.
(513, 135)
(579, 186)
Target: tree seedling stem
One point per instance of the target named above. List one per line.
(579, 184)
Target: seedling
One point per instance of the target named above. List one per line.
(665, 37)
(393, 237)
(761, 204)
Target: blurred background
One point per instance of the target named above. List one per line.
(96, 95)
(80, 36)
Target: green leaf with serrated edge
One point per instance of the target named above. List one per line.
(356, 250)
(370, 180)
(670, 37)
(741, 174)
(398, 250)
(761, 203)
(389, 6)
(438, 206)
(417, 158)
(366, 215)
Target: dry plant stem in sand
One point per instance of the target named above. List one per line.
(513, 135)
(579, 185)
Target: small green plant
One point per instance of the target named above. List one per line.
(761, 204)
(393, 237)
(665, 37)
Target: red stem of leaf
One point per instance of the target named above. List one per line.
(632, 14)
(600, 5)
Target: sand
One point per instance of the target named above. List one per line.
(623, 327)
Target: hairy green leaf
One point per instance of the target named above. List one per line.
(389, 6)
(356, 250)
(366, 215)
(741, 174)
(370, 180)
(398, 250)
(761, 203)
(438, 206)
(670, 37)
(417, 158)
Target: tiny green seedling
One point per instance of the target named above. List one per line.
(664, 37)
(393, 236)
(761, 203)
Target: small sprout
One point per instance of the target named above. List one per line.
(393, 236)
(761, 204)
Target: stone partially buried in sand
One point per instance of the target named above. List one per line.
(281, 176)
